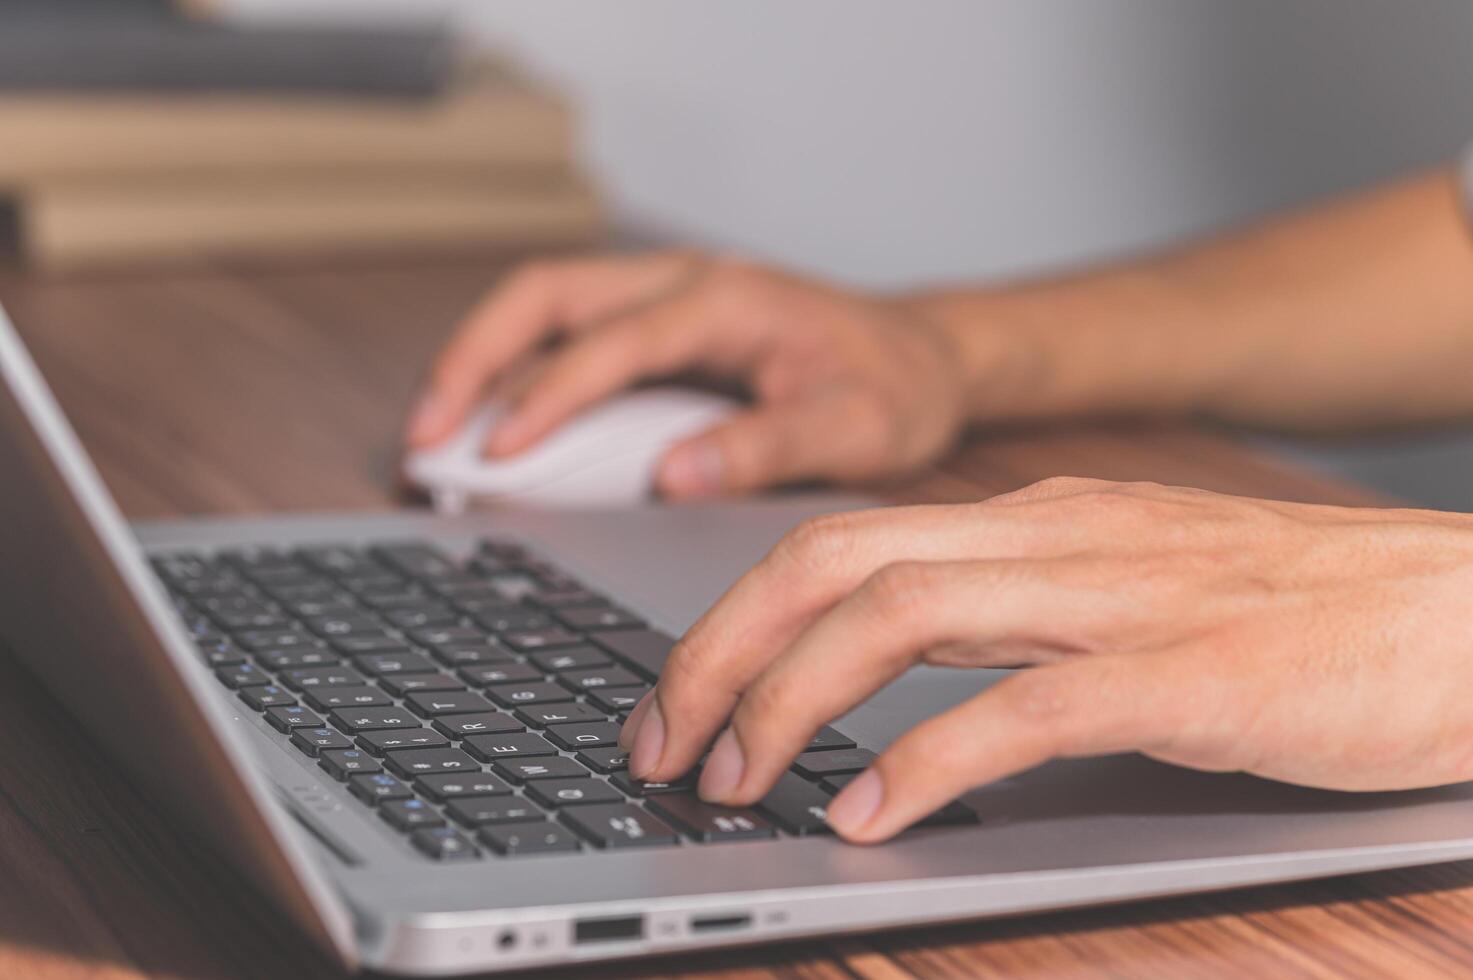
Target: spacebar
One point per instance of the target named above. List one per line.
(643, 651)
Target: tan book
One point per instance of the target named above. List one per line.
(68, 224)
(488, 119)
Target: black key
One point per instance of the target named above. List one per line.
(594, 735)
(554, 793)
(816, 765)
(181, 566)
(404, 684)
(259, 619)
(368, 587)
(488, 748)
(297, 657)
(332, 605)
(471, 656)
(707, 822)
(303, 678)
(558, 714)
(529, 770)
(383, 664)
(409, 597)
(242, 675)
(570, 658)
(337, 559)
(265, 696)
(526, 641)
(378, 787)
(284, 719)
(410, 814)
(606, 761)
(838, 781)
(427, 762)
(519, 839)
(477, 811)
(564, 598)
(335, 626)
(512, 584)
(469, 588)
(221, 654)
(642, 651)
(316, 589)
(274, 639)
(356, 645)
(617, 700)
(342, 763)
(315, 740)
(501, 550)
(606, 618)
(418, 617)
(827, 739)
(515, 695)
(415, 559)
(449, 636)
(392, 740)
(356, 720)
(328, 698)
(431, 704)
(618, 825)
(448, 786)
(583, 680)
(484, 723)
(638, 787)
(797, 806)
(505, 617)
(444, 844)
(482, 675)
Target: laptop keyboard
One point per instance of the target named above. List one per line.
(473, 704)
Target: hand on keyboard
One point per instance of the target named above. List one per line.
(1316, 645)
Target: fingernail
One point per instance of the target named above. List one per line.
(857, 804)
(507, 435)
(697, 468)
(630, 728)
(649, 743)
(724, 767)
(426, 419)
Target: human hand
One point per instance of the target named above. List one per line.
(1323, 646)
(845, 387)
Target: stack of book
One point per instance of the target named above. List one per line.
(176, 143)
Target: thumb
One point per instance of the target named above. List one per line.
(765, 446)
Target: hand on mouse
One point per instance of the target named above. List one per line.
(1324, 646)
(845, 387)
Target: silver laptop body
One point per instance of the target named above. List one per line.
(79, 604)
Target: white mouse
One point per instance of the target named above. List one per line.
(603, 457)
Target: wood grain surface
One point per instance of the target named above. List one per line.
(230, 389)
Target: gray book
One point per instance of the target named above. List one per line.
(111, 52)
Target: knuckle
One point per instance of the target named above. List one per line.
(900, 588)
(819, 544)
(1040, 698)
(687, 664)
(767, 699)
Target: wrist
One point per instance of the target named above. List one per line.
(1124, 342)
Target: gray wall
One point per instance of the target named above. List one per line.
(888, 143)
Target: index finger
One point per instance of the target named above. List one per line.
(535, 301)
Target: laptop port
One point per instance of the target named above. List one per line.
(720, 923)
(610, 930)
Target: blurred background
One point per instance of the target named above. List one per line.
(885, 144)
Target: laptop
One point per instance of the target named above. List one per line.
(401, 728)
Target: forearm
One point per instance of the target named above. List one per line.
(1355, 313)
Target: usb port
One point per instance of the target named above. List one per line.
(720, 923)
(624, 927)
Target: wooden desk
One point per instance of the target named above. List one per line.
(220, 390)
